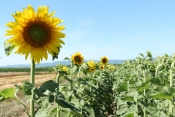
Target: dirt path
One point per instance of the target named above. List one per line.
(10, 78)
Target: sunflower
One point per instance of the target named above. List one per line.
(64, 68)
(102, 66)
(35, 33)
(91, 66)
(77, 58)
(104, 60)
(110, 67)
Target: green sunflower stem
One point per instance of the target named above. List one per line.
(32, 80)
(79, 71)
(58, 107)
(157, 70)
(144, 92)
(171, 85)
(58, 79)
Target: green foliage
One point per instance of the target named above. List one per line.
(55, 55)
(26, 88)
(8, 48)
(162, 92)
(26, 69)
(49, 85)
(7, 94)
(136, 88)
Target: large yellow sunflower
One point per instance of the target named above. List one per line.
(91, 65)
(35, 33)
(77, 58)
(104, 60)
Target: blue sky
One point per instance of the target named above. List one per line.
(118, 29)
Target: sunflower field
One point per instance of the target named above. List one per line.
(136, 88)
(142, 87)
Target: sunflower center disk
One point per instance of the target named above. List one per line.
(77, 58)
(104, 60)
(37, 33)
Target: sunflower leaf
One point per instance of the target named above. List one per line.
(7, 93)
(8, 48)
(67, 59)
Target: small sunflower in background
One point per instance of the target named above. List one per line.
(91, 66)
(35, 33)
(99, 66)
(111, 67)
(64, 68)
(104, 60)
(102, 67)
(77, 58)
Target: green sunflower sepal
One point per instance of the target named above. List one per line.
(55, 56)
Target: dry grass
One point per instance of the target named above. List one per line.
(12, 108)
(9, 79)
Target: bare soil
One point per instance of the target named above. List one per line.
(8, 79)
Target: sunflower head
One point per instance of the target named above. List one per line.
(64, 68)
(111, 67)
(102, 67)
(104, 60)
(91, 66)
(35, 33)
(77, 58)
